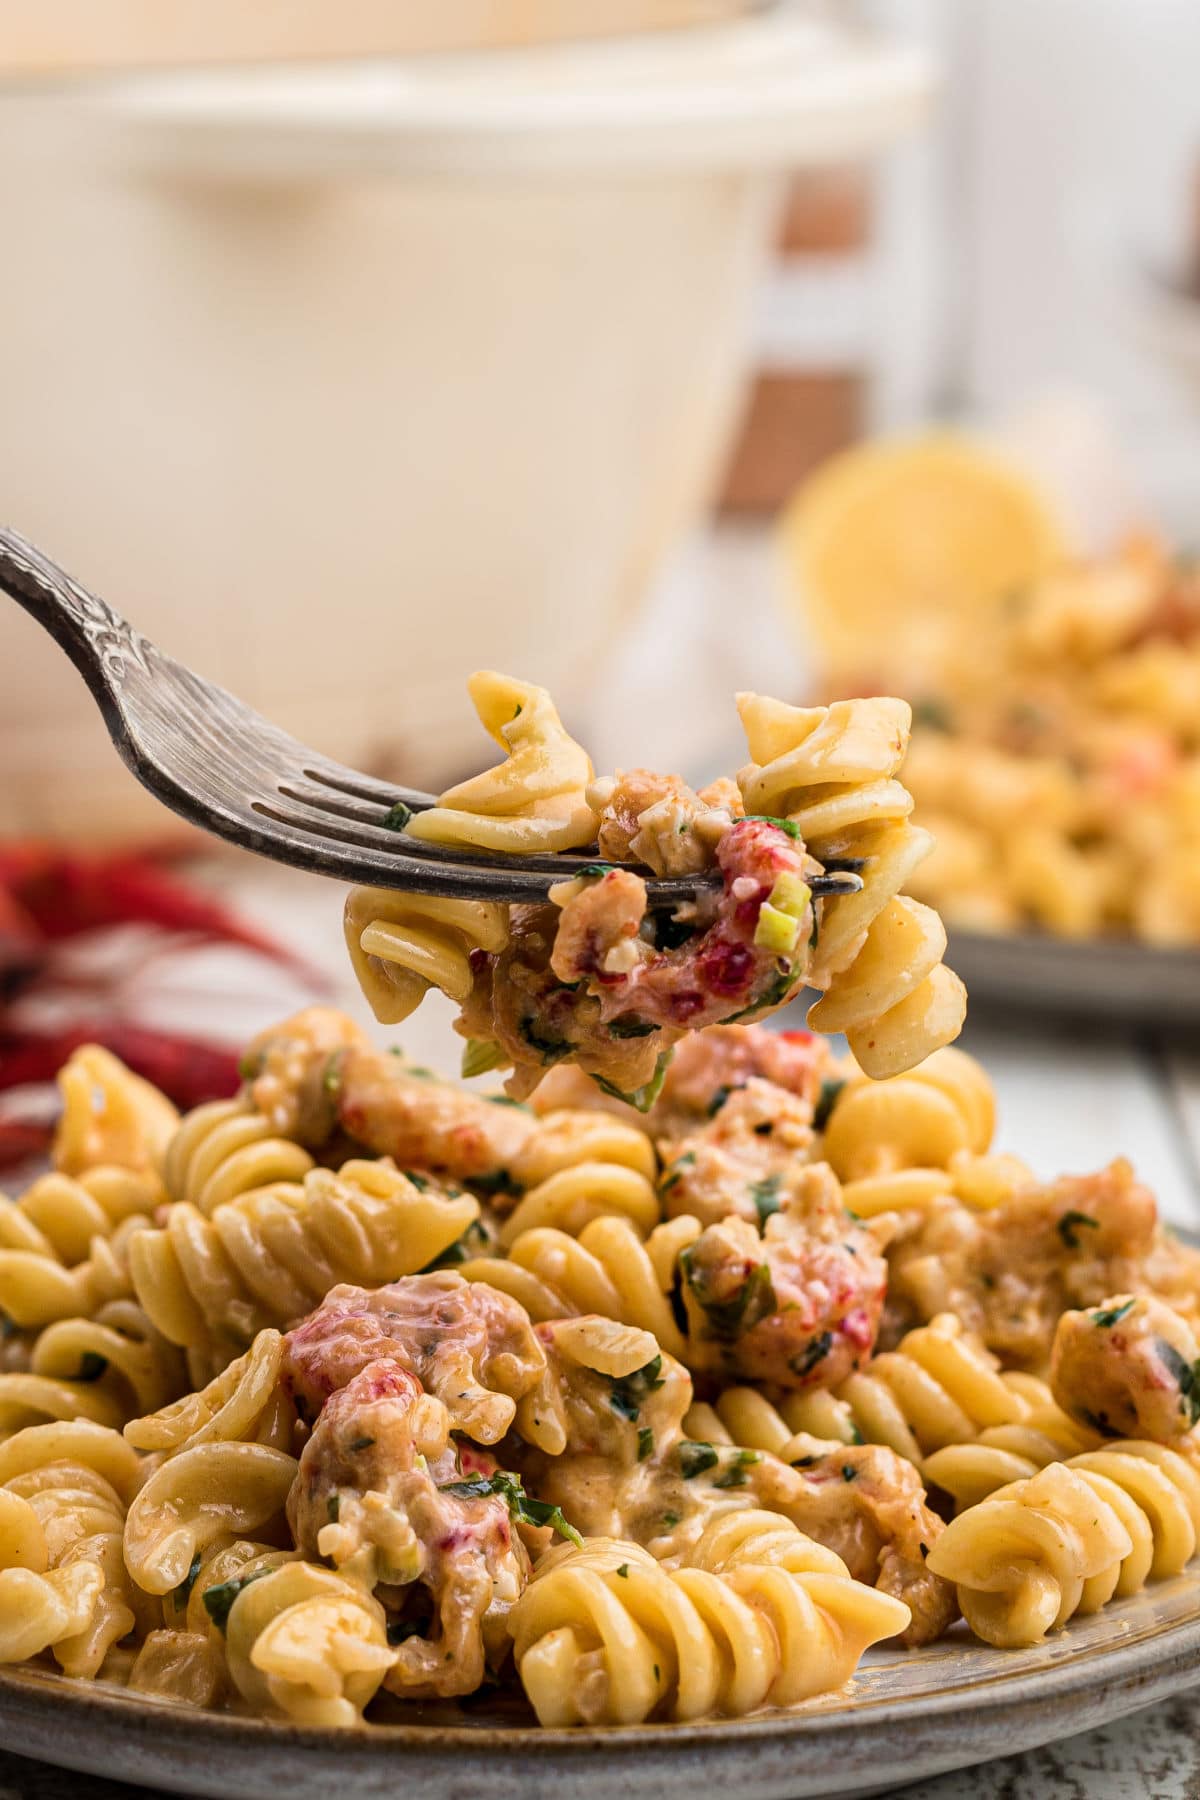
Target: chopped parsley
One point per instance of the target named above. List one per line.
(499, 1183)
(183, 1593)
(473, 1242)
(631, 1027)
(522, 1508)
(1186, 1374)
(645, 1442)
(671, 1518)
(479, 1056)
(331, 1080)
(734, 1476)
(728, 1319)
(397, 817)
(422, 1183)
(551, 1050)
(642, 1098)
(720, 1096)
(695, 1457)
(507, 1100)
(934, 714)
(91, 1366)
(218, 1601)
(775, 995)
(849, 1472)
(1069, 1225)
(765, 1195)
(333, 1507)
(792, 829)
(674, 1174)
(360, 1443)
(815, 1351)
(251, 1065)
(827, 1099)
(595, 871)
(1106, 1316)
(628, 1391)
(623, 1571)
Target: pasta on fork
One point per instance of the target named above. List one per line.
(600, 978)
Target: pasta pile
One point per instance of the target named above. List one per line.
(596, 976)
(1059, 767)
(364, 1388)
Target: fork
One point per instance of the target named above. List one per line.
(222, 766)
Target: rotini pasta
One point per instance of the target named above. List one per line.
(1068, 1539)
(831, 771)
(62, 1243)
(110, 1116)
(758, 1615)
(265, 1258)
(402, 944)
(536, 798)
(937, 1388)
(1061, 771)
(227, 1148)
(244, 1404)
(279, 1445)
(605, 1268)
(212, 1490)
(305, 1642)
(77, 1480)
(598, 976)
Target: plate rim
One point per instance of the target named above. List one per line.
(860, 1744)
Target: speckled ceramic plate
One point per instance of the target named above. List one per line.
(904, 1716)
(1094, 978)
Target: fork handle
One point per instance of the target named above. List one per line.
(100, 643)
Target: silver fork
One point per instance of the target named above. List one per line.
(222, 766)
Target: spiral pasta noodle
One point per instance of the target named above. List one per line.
(937, 1388)
(110, 1116)
(831, 771)
(1001, 1454)
(402, 944)
(76, 1481)
(105, 1368)
(536, 799)
(185, 1667)
(243, 1404)
(307, 1643)
(267, 1257)
(226, 1148)
(207, 1492)
(605, 1635)
(1065, 1541)
(62, 1243)
(607, 1269)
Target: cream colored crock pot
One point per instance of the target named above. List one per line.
(342, 381)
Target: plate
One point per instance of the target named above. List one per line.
(904, 1716)
(1110, 978)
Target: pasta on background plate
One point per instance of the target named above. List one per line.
(599, 977)
(365, 1388)
(1059, 767)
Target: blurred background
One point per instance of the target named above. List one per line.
(348, 349)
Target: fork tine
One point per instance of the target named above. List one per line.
(365, 787)
(220, 765)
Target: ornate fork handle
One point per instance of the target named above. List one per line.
(102, 645)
